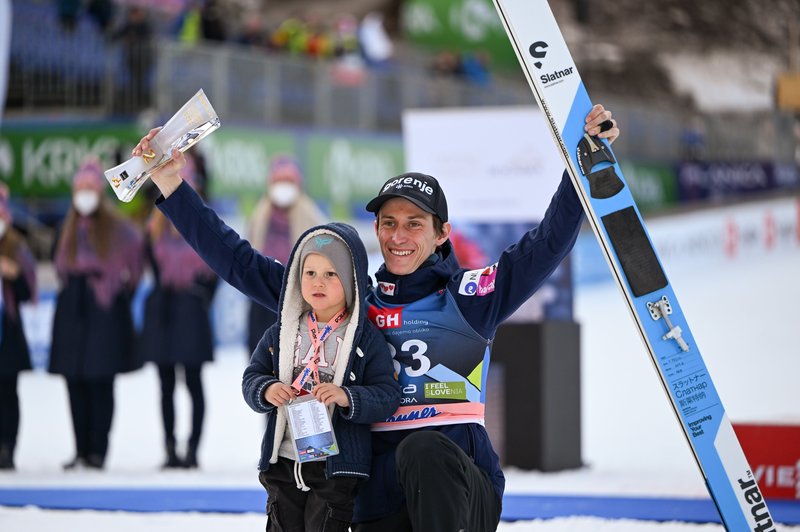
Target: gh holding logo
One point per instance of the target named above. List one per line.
(387, 318)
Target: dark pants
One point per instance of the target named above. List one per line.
(327, 507)
(92, 405)
(9, 413)
(194, 383)
(445, 491)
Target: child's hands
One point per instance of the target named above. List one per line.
(330, 393)
(279, 394)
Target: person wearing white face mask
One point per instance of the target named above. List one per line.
(18, 272)
(86, 201)
(99, 257)
(282, 214)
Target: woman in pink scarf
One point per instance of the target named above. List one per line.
(99, 258)
(177, 326)
(18, 272)
(282, 214)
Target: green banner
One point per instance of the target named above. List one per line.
(459, 26)
(40, 161)
(342, 171)
(238, 159)
(654, 186)
(345, 172)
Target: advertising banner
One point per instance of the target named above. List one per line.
(654, 186)
(498, 171)
(40, 161)
(458, 26)
(495, 164)
(344, 172)
(773, 451)
(712, 180)
(708, 238)
(238, 159)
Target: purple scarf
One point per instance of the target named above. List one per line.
(278, 242)
(178, 264)
(119, 271)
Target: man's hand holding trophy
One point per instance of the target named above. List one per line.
(192, 122)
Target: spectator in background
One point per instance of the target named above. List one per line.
(177, 325)
(446, 63)
(201, 20)
(376, 46)
(282, 214)
(693, 139)
(98, 259)
(349, 68)
(187, 28)
(212, 21)
(252, 33)
(101, 11)
(289, 36)
(471, 67)
(345, 36)
(318, 42)
(135, 36)
(18, 272)
(475, 68)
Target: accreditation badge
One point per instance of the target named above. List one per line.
(311, 430)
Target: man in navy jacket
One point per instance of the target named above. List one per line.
(433, 465)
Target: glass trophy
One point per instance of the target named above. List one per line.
(192, 122)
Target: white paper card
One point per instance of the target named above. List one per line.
(311, 430)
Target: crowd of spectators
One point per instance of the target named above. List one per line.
(352, 44)
(311, 34)
(472, 67)
(314, 36)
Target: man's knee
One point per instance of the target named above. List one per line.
(424, 447)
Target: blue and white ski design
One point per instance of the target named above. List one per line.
(616, 221)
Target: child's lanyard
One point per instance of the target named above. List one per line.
(317, 341)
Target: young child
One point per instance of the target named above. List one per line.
(322, 317)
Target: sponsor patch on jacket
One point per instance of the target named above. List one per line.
(386, 288)
(478, 282)
(386, 318)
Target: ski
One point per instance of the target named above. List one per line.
(636, 268)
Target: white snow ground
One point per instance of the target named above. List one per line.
(742, 315)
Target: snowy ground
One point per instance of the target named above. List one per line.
(35, 520)
(742, 315)
(228, 457)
